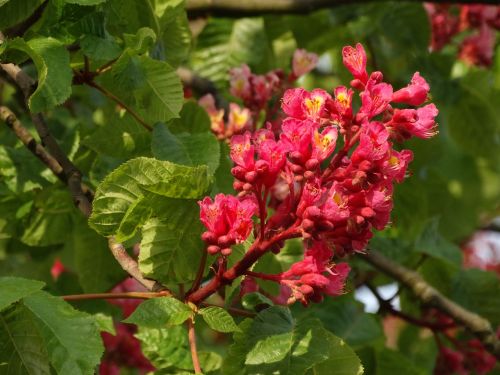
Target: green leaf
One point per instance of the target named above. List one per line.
(432, 243)
(342, 360)
(127, 184)
(120, 137)
(54, 72)
(345, 318)
(166, 347)
(171, 246)
(275, 343)
(218, 319)
(224, 44)
(150, 87)
(105, 323)
(193, 119)
(22, 350)
(159, 312)
(97, 269)
(390, 362)
(14, 12)
(51, 218)
(475, 107)
(85, 2)
(142, 41)
(100, 49)
(15, 288)
(71, 337)
(175, 34)
(186, 149)
(478, 291)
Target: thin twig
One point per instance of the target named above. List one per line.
(199, 274)
(429, 296)
(192, 346)
(118, 101)
(123, 295)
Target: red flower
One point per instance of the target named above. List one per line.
(355, 61)
(301, 104)
(324, 143)
(228, 220)
(413, 94)
(303, 62)
(375, 99)
(242, 151)
(414, 122)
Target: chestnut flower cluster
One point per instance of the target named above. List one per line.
(449, 20)
(257, 93)
(327, 176)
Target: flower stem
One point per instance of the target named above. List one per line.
(192, 345)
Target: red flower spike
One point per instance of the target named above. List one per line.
(354, 60)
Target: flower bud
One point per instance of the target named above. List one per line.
(209, 237)
(226, 251)
(238, 185)
(306, 289)
(309, 175)
(312, 164)
(312, 212)
(212, 250)
(357, 84)
(307, 225)
(251, 176)
(225, 241)
(238, 172)
(377, 76)
(247, 187)
(297, 169)
(367, 212)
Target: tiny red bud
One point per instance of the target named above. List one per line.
(312, 212)
(251, 176)
(225, 241)
(247, 187)
(306, 289)
(377, 76)
(238, 185)
(238, 172)
(307, 225)
(296, 157)
(208, 237)
(325, 225)
(312, 164)
(297, 169)
(226, 251)
(367, 212)
(309, 175)
(212, 250)
(357, 84)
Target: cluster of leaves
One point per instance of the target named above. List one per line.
(107, 84)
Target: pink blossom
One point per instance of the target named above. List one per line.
(239, 79)
(355, 61)
(296, 136)
(303, 62)
(373, 143)
(239, 119)
(375, 99)
(216, 116)
(341, 105)
(414, 122)
(301, 104)
(413, 94)
(242, 151)
(324, 143)
(227, 216)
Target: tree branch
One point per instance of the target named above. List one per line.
(26, 138)
(131, 266)
(235, 8)
(429, 296)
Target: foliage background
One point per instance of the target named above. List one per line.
(453, 192)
